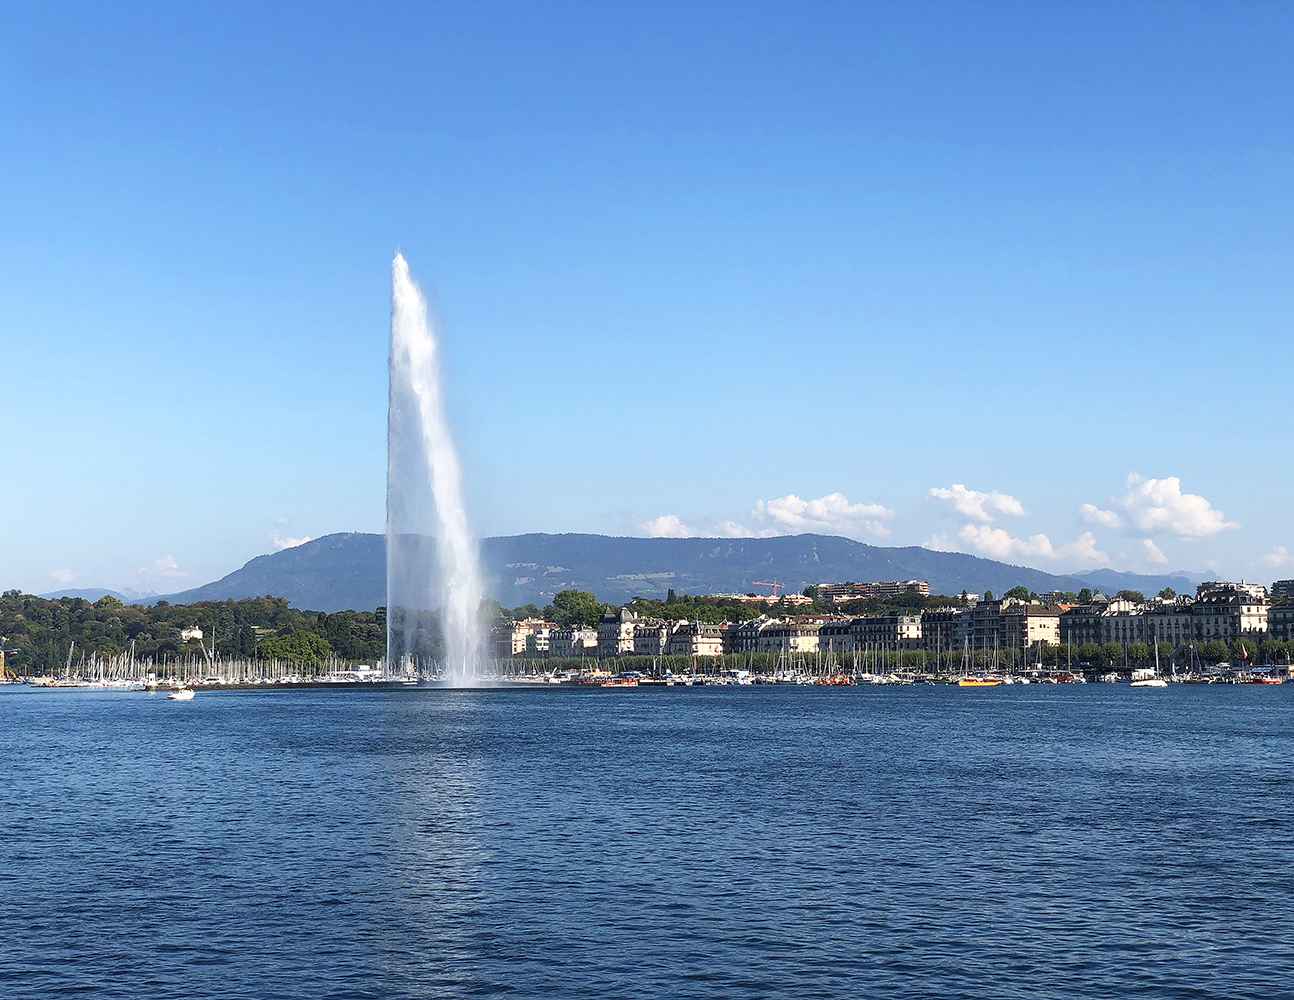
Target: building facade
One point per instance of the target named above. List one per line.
(616, 633)
(892, 631)
(695, 639)
(573, 641)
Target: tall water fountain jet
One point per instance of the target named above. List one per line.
(424, 498)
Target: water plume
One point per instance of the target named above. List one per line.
(424, 498)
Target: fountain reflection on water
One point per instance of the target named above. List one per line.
(424, 498)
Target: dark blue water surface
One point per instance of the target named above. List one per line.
(1094, 841)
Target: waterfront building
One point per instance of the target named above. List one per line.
(1230, 611)
(1280, 622)
(1023, 626)
(1124, 625)
(573, 641)
(511, 638)
(944, 629)
(695, 639)
(539, 639)
(836, 636)
(1085, 623)
(650, 637)
(983, 625)
(1169, 621)
(616, 633)
(894, 631)
(744, 637)
(791, 635)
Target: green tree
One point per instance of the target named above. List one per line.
(1244, 651)
(1089, 652)
(1165, 653)
(298, 647)
(1168, 593)
(576, 607)
(1112, 653)
(1139, 652)
(1135, 596)
(1274, 649)
(1214, 651)
(988, 595)
(810, 592)
(1085, 596)
(1020, 592)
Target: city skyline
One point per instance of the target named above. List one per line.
(989, 278)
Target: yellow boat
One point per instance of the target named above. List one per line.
(979, 682)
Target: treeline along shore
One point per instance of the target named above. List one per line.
(52, 636)
(1223, 626)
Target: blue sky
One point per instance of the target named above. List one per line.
(1007, 278)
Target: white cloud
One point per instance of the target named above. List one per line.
(1279, 556)
(287, 543)
(1153, 553)
(1159, 507)
(939, 543)
(65, 575)
(665, 526)
(999, 544)
(166, 568)
(1092, 514)
(731, 529)
(832, 514)
(976, 505)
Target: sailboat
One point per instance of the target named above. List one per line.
(974, 680)
(1152, 682)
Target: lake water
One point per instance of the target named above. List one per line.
(1071, 841)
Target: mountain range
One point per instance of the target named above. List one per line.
(348, 571)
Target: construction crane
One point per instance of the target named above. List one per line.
(774, 584)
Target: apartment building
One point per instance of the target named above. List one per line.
(616, 633)
(1023, 626)
(573, 641)
(789, 636)
(893, 631)
(650, 637)
(836, 636)
(944, 629)
(512, 638)
(1230, 611)
(695, 639)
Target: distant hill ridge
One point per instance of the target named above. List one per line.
(348, 571)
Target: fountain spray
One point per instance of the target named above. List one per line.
(424, 496)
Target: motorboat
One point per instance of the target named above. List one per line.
(181, 694)
(1150, 682)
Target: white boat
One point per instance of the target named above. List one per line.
(1153, 682)
(181, 694)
